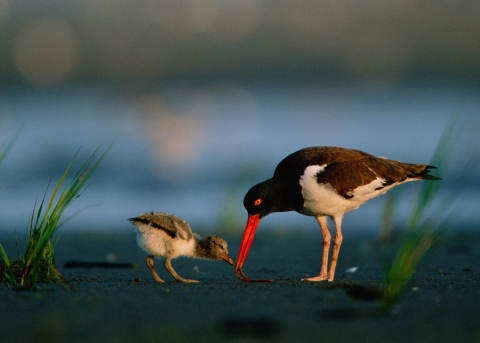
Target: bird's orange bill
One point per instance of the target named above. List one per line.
(228, 259)
(249, 233)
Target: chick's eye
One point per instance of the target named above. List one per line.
(258, 202)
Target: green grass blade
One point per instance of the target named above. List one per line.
(4, 256)
(40, 249)
(7, 273)
(428, 220)
(6, 149)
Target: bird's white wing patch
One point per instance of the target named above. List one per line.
(323, 199)
(370, 189)
(320, 199)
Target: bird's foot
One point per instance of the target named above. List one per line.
(319, 278)
(187, 280)
(156, 277)
(239, 273)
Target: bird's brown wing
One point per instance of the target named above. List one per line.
(155, 224)
(175, 225)
(183, 230)
(294, 164)
(172, 225)
(346, 176)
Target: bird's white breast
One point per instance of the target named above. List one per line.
(322, 199)
(158, 243)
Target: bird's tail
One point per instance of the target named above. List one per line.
(424, 173)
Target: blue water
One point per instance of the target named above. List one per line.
(195, 150)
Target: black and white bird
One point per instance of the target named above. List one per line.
(323, 182)
(165, 235)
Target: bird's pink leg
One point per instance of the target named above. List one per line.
(168, 266)
(337, 242)
(326, 247)
(151, 266)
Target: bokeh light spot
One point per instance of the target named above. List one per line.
(45, 52)
(177, 138)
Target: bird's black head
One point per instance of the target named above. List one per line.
(272, 196)
(257, 200)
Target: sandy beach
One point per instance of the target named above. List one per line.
(184, 106)
(440, 304)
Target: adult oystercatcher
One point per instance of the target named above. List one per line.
(323, 182)
(165, 235)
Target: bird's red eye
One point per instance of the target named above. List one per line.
(258, 202)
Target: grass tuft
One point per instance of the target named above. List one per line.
(38, 262)
(428, 219)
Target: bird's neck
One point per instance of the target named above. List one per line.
(202, 248)
(283, 196)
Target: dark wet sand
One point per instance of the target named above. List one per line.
(440, 304)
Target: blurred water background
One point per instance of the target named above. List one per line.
(202, 99)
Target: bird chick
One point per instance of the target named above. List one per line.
(166, 235)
